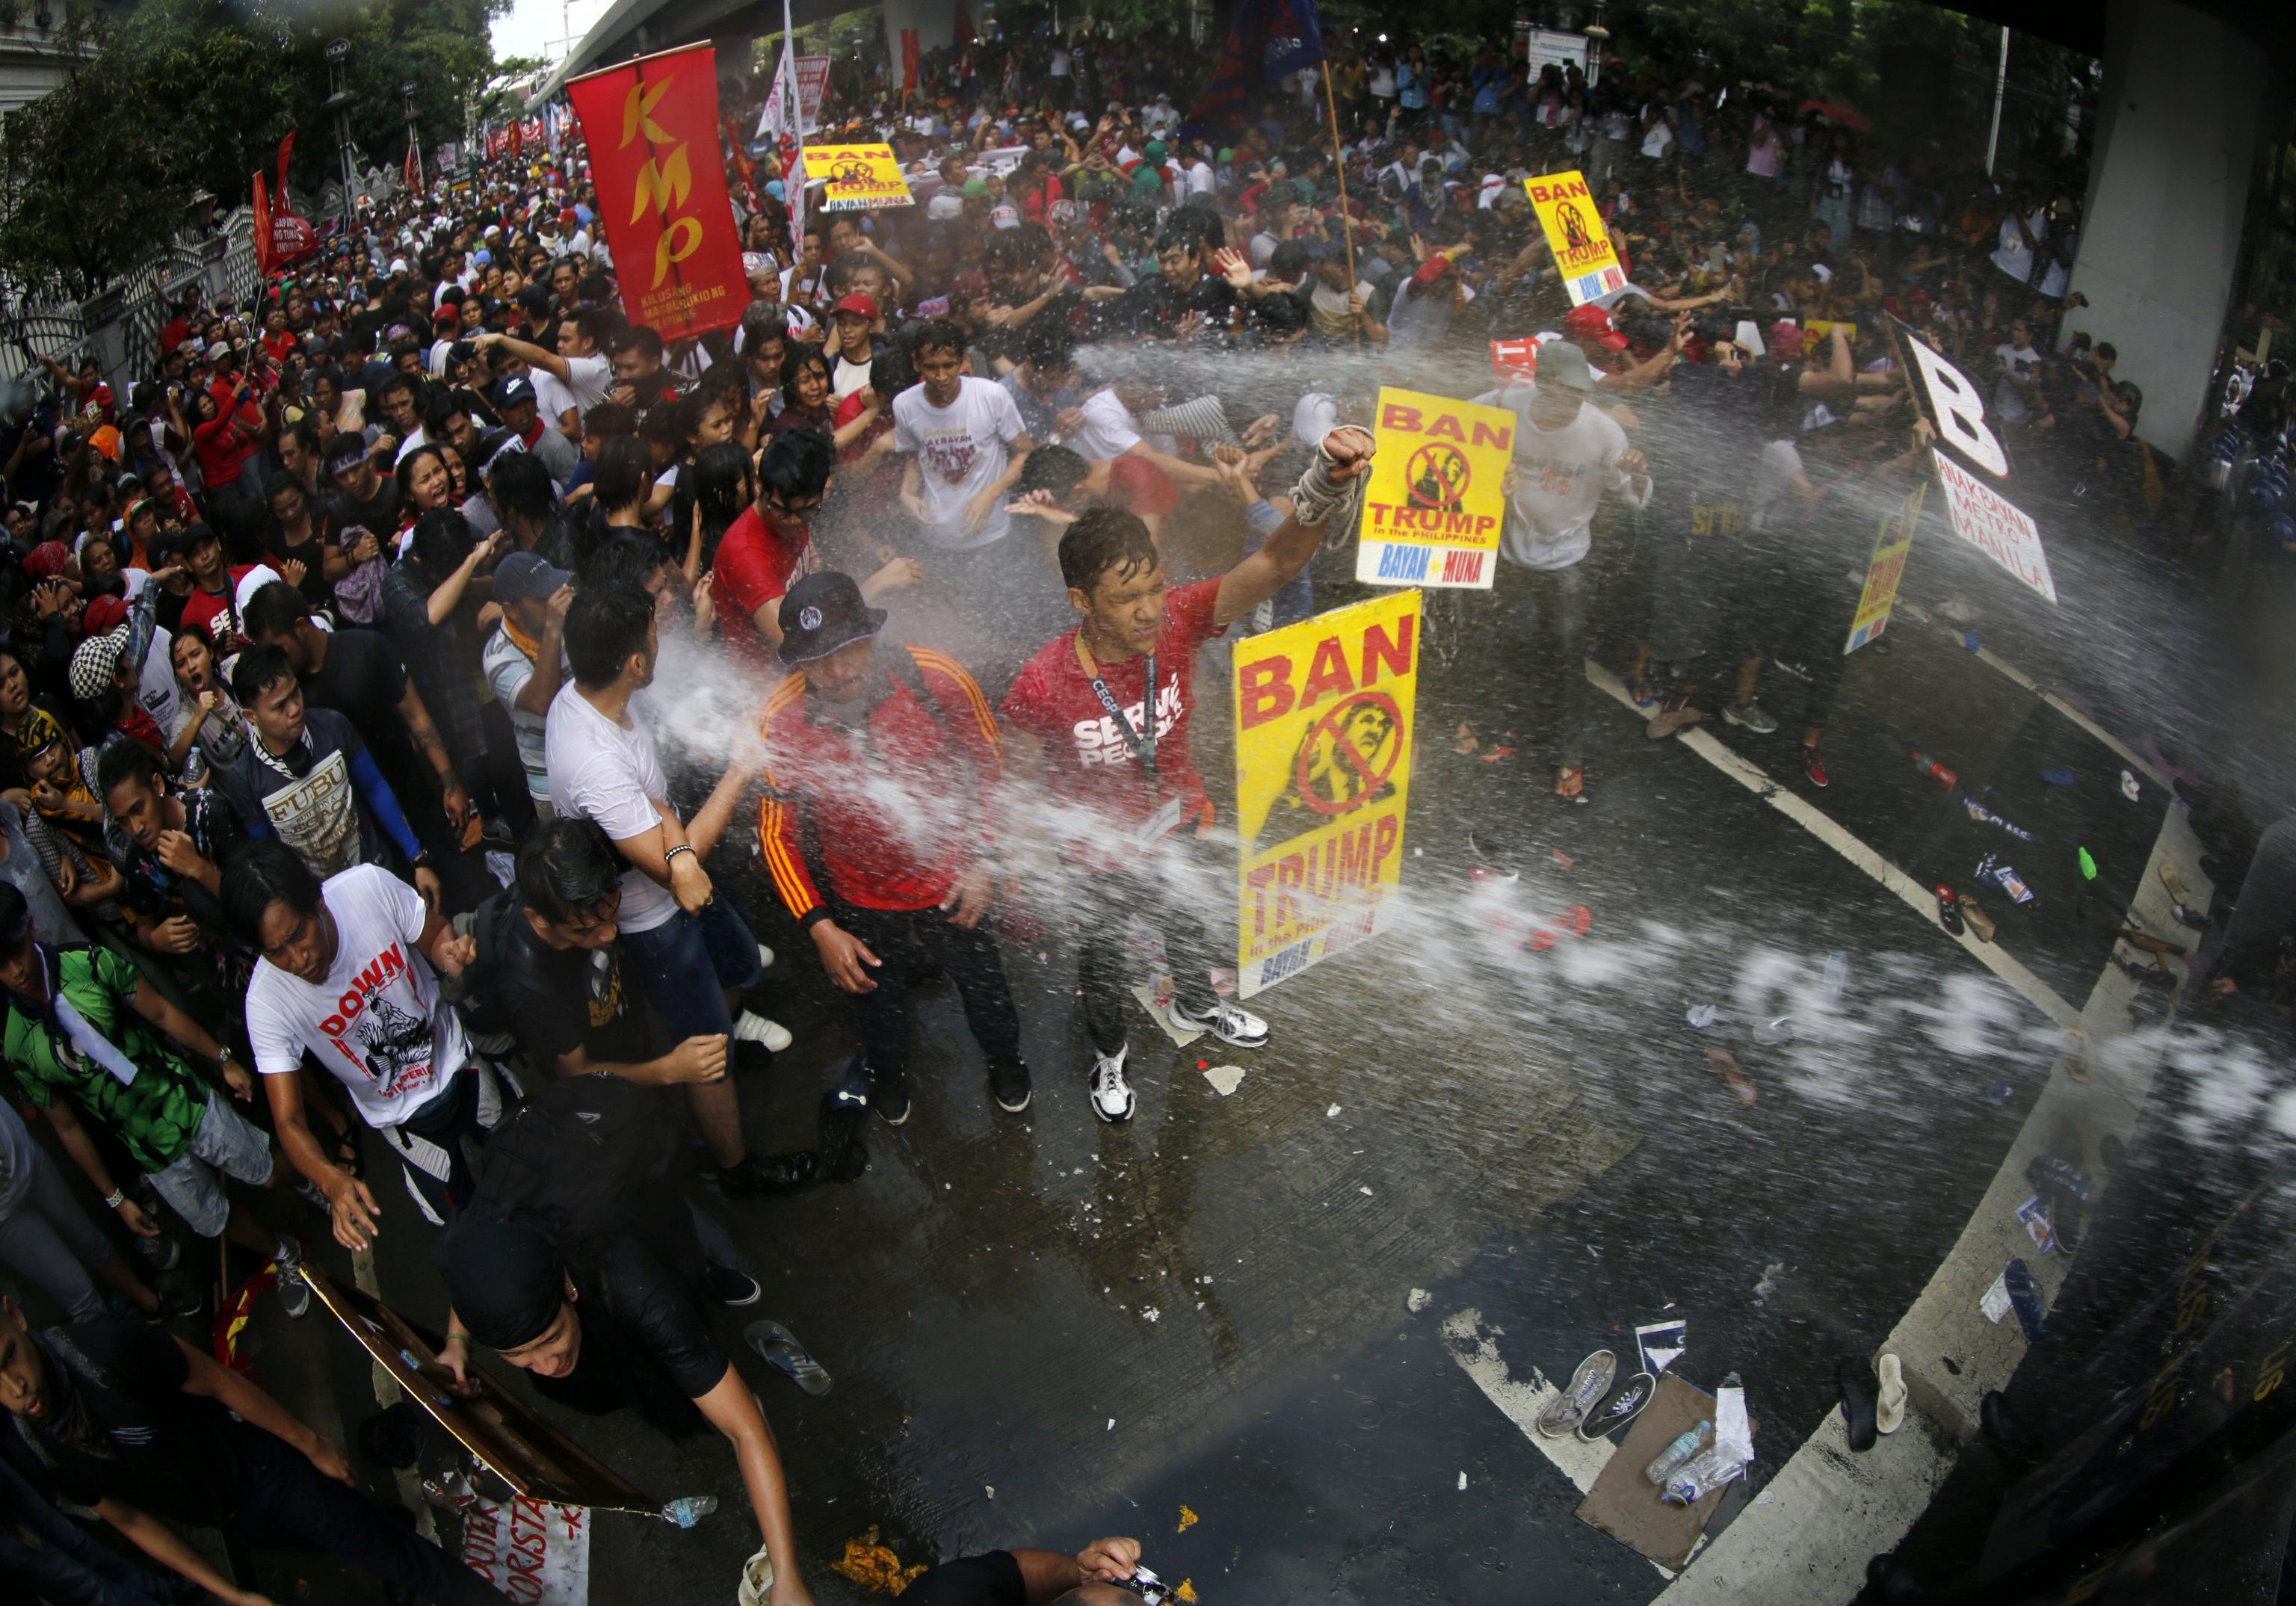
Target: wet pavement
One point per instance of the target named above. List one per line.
(1043, 1330)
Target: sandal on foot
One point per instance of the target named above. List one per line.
(1722, 1064)
(780, 1349)
(1980, 923)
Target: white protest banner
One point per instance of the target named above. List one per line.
(1994, 525)
(812, 80)
(537, 1553)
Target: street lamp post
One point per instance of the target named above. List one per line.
(339, 102)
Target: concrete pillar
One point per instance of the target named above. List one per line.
(2169, 187)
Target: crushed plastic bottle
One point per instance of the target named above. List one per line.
(687, 1509)
(1699, 1477)
(1684, 1446)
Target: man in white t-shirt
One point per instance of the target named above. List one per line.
(570, 381)
(348, 974)
(965, 441)
(2016, 398)
(1567, 455)
(687, 946)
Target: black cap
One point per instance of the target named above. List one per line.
(514, 391)
(823, 612)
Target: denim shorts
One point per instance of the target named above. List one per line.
(690, 962)
(223, 1141)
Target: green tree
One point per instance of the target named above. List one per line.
(180, 95)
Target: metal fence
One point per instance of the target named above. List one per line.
(120, 325)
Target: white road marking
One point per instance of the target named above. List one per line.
(1827, 830)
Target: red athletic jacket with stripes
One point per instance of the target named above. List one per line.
(884, 810)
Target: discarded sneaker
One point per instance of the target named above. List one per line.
(1751, 716)
(1620, 1407)
(1231, 1023)
(1861, 1393)
(1589, 1385)
(1980, 923)
(1889, 1407)
(1949, 911)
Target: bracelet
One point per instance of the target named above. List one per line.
(673, 853)
(119, 1198)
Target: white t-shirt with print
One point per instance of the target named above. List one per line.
(377, 1021)
(1560, 477)
(602, 770)
(962, 450)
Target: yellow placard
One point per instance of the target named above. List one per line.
(1576, 235)
(1886, 569)
(1324, 713)
(1432, 512)
(858, 176)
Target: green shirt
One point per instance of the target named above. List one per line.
(156, 1115)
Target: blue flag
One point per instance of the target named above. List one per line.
(1271, 39)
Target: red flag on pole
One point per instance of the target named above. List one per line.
(262, 229)
(286, 149)
(652, 128)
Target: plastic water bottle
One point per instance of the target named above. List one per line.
(1699, 1477)
(687, 1509)
(195, 766)
(1685, 1444)
(1931, 767)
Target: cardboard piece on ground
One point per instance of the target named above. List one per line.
(1626, 1505)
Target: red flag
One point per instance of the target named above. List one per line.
(963, 34)
(286, 147)
(517, 140)
(414, 184)
(908, 61)
(262, 231)
(651, 129)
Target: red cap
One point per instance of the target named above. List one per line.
(446, 317)
(1591, 322)
(103, 616)
(1432, 269)
(969, 285)
(1784, 339)
(1514, 359)
(866, 306)
(571, 218)
(46, 561)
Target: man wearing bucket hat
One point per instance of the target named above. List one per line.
(884, 763)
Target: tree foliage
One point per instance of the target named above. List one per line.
(179, 95)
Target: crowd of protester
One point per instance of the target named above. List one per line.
(422, 686)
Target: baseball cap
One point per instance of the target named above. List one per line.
(1592, 322)
(1005, 218)
(47, 559)
(976, 189)
(943, 206)
(514, 391)
(104, 615)
(1784, 338)
(823, 612)
(522, 577)
(94, 661)
(856, 303)
(1562, 366)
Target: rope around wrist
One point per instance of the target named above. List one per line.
(1318, 495)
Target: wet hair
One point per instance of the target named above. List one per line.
(936, 334)
(127, 761)
(15, 914)
(521, 487)
(604, 627)
(763, 321)
(406, 466)
(1279, 315)
(624, 467)
(1104, 540)
(796, 465)
(274, 611)
(718, 483)
(891, 371)
(1055, 468)
(639, 338)
(259, 669)
(618, 558)
(264, 870)
(440, 541)
(1051, 348)
(795, 361)
(608, 420)
(568, 867)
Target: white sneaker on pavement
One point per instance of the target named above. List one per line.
(1231, 1023)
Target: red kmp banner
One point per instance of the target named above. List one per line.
(652, 128)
